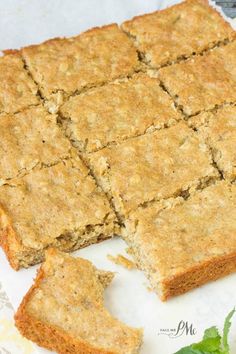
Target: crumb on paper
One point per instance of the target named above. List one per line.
(123, 261)
(129, 250)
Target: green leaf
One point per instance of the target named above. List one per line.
(211, 332)
(208, 345)
(227, 325)
(212, 343)
(189, 350)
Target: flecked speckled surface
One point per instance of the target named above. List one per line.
(38, 21)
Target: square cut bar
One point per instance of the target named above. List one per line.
(64, 310)
(58, 206)
(203, 82)
(17, 89)
(163, 37)
(152, 167)
(219, 130)
(67, 65)
(117, 111)
(183, 244)
(29, 139)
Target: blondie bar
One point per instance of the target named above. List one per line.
(28, 139)
(57, 206)
(63, 66)
(17, 89)
(183, 244)
(117, 111)
(152, 167)
(203, 82)
(64, 310)
(164, 37)
(219, 130)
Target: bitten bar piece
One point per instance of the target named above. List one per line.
(153, 166)
(219, 130)
(17, 89)
(203, 82)
(64, 310)
(28, 139)
(165, 36)
(67, 65)
(57, 206)
(117, 111)
(187, 244)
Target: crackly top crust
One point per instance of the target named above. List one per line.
(219, 128)
(51, 202)
(117, 111)
(27, 139)
(17, 89)
(153, 166)
(164, 36)
(185, 234)
(70, 64)
(77, 308)
(204, 81)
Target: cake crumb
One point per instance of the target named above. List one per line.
(129, 250)
(123, 261)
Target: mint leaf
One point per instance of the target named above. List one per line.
(208, 345)
(211, 332)
(212, 343)
(189, 350)
(227, 325)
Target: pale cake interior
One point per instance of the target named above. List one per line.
(58, 206)
(151, 126)
(182, 244)
(77, 307)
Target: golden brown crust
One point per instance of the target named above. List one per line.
(199, 275)
(8, 239)
(67, 65)
(69, 211)
(54, 337)
(17, 89)
(219, 130)
(203, 82)
(10, 51)
(28, 139)
(14, 248)
(46, 335)
(133, 173)
(152, 167)
(116, 112)
(183, 244)
(91, 31)
(165, 36)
